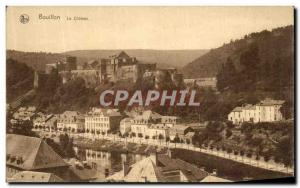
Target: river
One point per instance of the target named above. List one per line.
(107, 163)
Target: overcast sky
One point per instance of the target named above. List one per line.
(138, 27)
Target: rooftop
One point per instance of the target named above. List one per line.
(31, 153)
(105, 112)
(31, 176)
(148, 114)
(165, 169)
(269, 101)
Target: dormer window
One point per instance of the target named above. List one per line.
(12, 159)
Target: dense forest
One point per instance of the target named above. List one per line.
(249, 70)
(273, 45)
(19, 79)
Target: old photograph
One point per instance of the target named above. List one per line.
(120, 94)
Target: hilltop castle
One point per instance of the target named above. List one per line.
(112, 69)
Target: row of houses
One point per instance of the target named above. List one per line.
(144, 124)
(267, 110)
(151, 125)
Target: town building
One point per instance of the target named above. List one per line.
(51, 122)
(159, 168)
(71, 121)
(181, 133)
(36, 177)
(125, 125)
(102, 121)
(144, 125)
(45, 121)
(25, 113)
(149, 124)
(206, 82)
(267, 110)
(32, 154)
(81, 171)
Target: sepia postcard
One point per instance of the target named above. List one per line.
(150, 94)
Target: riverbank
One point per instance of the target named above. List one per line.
(117, 146)
(226, 168)
(145, 146)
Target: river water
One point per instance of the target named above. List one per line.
(107, 163)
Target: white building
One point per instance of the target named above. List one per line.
(99, 121)
(267, 110)
(25, 113)
(236, 115)
(71, 121)
(152, 125)
(125, 125)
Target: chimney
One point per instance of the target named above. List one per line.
(214, 172)
(154, 158)
(106, 173)
(126, 168)
(169, 153)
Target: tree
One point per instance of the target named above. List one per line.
(167, 139)
(257, 158)
(285, 150)
(133, 134)
(147, 137)
(23, 128)
(227, 76)
(242, 153)
(176, 139)
(235, 153)
(228, 133)
(140, 135)
(249, 61)
(98, 133)
(160, 137)
(126, 134)
(267, 157)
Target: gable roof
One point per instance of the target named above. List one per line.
(137, 172)
(179, 129)
(148, 114)
(148, 170)
(190, 171)
(237, 109)
(84, 174)
(120, 54)
(270, 102)
(214, 179)
(31, 176)
(104, 112)
(33, 153)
